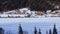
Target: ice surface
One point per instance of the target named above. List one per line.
(28, 24)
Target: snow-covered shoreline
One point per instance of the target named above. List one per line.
(26, 12)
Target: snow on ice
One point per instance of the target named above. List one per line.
(28, 24)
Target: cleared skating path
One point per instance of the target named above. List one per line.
(28, 24)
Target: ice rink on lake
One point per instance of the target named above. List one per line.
(11, 24)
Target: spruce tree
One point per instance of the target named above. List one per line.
(1, 31)
(54, 29)
(50, 31)
(20, 29)
(39, 31)
(35, 31)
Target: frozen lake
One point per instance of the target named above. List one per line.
(28, 24)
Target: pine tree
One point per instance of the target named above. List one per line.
(35, 31)
(50, 31)
(54, 29)
(39, 31)
(20, 29)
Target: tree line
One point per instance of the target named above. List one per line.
(20, 30)
(37, 5)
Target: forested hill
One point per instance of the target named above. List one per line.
(33, 4)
